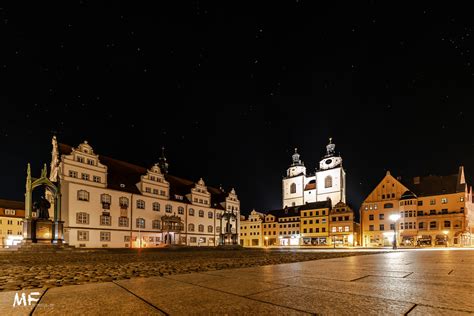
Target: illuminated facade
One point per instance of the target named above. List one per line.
(111, 203)
(12, 214)
(433, 211)
(251, 230)
(326, 182)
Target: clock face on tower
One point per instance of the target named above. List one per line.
(328, 161)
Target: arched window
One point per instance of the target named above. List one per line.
(141, 204)
(328, 182)
(191, 227)
(388, 205)
(180, 210)
(82, 195)
(209, 214)
(209, 229)
(156, 206)
(123, 201)
(293, 188)
(201, 228)
(140, 223)
(191, 212)
(169, 208)
(201, 213)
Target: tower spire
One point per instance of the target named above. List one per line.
(296, 158)
(162, 161)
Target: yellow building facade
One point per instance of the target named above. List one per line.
(315, 223)
(429, 211)
(343, 229)
(251, 233)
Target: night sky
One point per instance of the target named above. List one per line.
(230, 88)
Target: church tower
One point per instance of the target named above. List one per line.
(331, 177)
(293, 183)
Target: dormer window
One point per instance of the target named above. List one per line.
(80, 159)
(148, 190)
(90, 162)
(152, 178)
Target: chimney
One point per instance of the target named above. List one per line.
(416, 180)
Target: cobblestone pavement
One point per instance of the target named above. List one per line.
(37, 270)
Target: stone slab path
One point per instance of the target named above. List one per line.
(408, 282)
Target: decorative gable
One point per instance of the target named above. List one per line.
(153, 183)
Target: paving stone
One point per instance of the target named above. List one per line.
(330, 303)
(92, 299)
(421, 310)
(7, 299)
(179, 298)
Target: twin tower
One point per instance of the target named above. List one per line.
(327, 181)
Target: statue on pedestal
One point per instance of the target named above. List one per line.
(42, 208)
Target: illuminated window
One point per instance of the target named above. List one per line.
(444, 200)
(333, 229)
(180, 210)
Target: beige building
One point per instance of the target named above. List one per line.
(431, 211)
(343, 229)
(12, 214)
(112, 203)
(251, 230)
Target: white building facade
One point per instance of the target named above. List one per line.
(111, 203)
(327, 181)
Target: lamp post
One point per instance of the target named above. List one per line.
(445, 232)
(394, 218)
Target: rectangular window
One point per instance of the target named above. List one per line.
(82, 218)
(371, 227)
(73, 174)
(381, 216)
(346, 228)
(148, 190)
(123, 221)
(155, 191)
(433, 225)
(90, 162)
(323, 230)
(382, 227)
(371, 217)
(444, 200)
(339, 229)
(82, 235)
(104, 236)
(333, 229)
(192, 239)
(420, 203)
(85, 176)
(421, 225)
(392, 226)
(447, 224)
(96, 179)
(432, 202)
(140, 223)
(105, 220)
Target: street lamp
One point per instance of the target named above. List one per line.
(445, 232)
(266, 241)
(394, 218)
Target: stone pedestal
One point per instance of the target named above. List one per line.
(43, 230)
